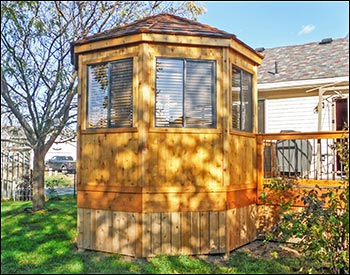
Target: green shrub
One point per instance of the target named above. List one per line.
(58, 180)
(322, 226)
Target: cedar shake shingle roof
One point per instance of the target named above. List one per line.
(308, 61)
(163, 23)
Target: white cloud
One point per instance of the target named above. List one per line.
(306, 29)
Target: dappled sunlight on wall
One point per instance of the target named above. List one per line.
(184, 159)
(116, 165)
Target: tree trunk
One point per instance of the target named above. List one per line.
(38, 179)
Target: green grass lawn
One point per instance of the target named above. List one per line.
(45, 243)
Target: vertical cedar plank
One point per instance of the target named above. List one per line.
(255, 216)
(80, 229)
(213, 232)
(244, 227)
(116, 232)
(186, 232)
(138, 244)
(234, 228)
(156, 233)
(251, 223)
(175, 233)
(260, 163)
(146, 235)
(226, 116)
(222, 230)
(204, 232)
(143, 114)
(131, 234)
(100, 229)
(239, 227)
(109, 221)
(166, 233)
(195, 233)
(93, 229)
(123, 224)
(87, 229)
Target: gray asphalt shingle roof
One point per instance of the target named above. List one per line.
(307, 61)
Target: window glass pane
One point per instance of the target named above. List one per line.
(97, 96)
(247, 102)
(169, 92)
(236, 98)
(121, 76)
(110, 90)
(199, 95)
(242, 104)
(185, 94)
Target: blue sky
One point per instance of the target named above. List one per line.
(272, 24)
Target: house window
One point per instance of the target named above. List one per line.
(242, 104)
(185, 93)
(110, 88)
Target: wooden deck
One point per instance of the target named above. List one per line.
(308, 159)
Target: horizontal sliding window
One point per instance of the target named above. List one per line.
(185, 93)
(110, 94)
(242, 103)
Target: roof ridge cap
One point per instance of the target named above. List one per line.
(308, 43)
(184, 19)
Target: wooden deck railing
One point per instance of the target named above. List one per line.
(310, 158)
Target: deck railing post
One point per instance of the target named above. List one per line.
(260, 164)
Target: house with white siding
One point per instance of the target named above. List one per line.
(304, 87)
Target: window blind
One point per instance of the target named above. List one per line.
(185, 94)
(110, 94)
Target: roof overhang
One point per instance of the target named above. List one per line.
(301, 84)
(234, 44)
(302, 88)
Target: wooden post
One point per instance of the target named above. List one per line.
(260, 164)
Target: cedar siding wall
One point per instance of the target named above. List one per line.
(146, 190)
(171, 233)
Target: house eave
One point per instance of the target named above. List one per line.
(301, 84)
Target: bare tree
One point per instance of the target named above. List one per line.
(38, 83)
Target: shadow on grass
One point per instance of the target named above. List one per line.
(45, 242)
(33, 242)
(244, 263)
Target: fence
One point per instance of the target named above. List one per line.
(16, 176)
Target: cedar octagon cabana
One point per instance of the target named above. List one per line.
(166, 144)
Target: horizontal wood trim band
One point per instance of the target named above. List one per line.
(126, 202)
(241, 198)
(163, 189)
(310, 184)
(166, 201)
(301, 135)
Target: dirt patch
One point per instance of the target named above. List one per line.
(268, 250)
(258, 249)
